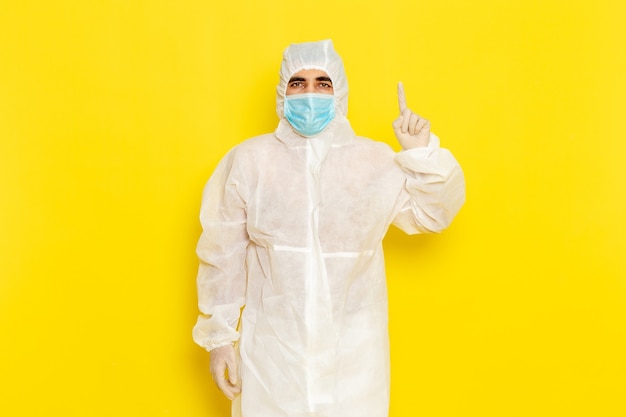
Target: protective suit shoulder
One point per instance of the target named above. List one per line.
(246, 149)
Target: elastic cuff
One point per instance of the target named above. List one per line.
(218, 345)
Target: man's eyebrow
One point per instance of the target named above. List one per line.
(322, 78)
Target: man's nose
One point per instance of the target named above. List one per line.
(310, 88)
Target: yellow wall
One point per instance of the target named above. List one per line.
(114, 113)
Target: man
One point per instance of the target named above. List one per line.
(293, 223)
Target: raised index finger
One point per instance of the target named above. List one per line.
(401, 97)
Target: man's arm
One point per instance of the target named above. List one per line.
(435, 182)
(221, 277)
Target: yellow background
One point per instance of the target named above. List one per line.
(114, 113)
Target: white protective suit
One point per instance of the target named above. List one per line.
(292, 230)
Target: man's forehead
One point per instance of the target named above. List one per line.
(310, 74)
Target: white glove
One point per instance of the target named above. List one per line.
(223, 360)
(411, 130)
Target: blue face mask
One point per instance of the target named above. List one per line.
(309, 113)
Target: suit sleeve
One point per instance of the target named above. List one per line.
(221, 280)
(434, 188)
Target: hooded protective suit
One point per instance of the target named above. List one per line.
(292, 232)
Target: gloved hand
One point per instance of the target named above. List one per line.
(411, 130)
(224, 359)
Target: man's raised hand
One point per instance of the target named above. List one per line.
(412, 131)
